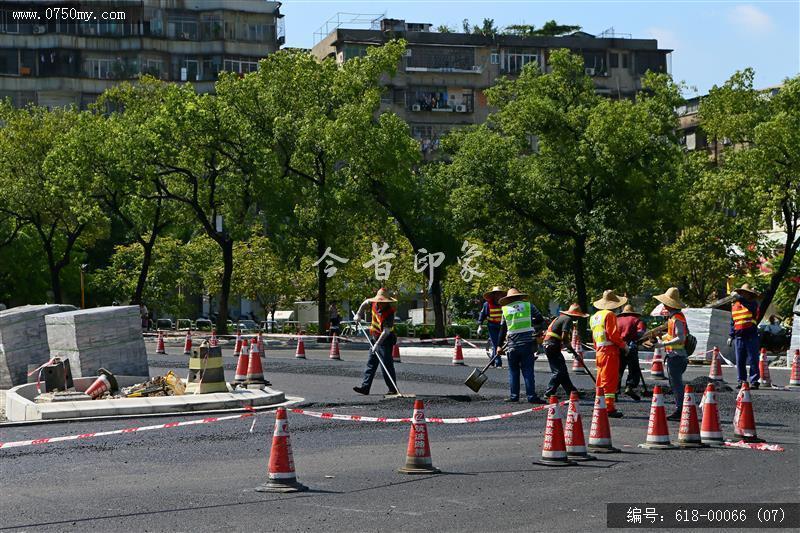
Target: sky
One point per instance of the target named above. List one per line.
(711, 39)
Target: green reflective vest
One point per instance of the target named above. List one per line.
(518, 317)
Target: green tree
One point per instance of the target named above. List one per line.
(559, 163)
(551, 28)
(759, 179)
(38, 192)
(444, 28)
(314, 126)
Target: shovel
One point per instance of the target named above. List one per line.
(478, 377)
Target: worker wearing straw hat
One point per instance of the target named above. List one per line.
(517, 331)
(744, 333)
(674, 342)
(556, 337)
(492, 312)
(383, 340)
(631, 328)
(608, 345)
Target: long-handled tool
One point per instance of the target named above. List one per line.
(478, 377)
(583, 363)
(385, 370)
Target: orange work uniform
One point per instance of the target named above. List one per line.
(607, 344)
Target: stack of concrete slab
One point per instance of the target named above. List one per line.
(103, 337)
(23, 341)
(711, 327)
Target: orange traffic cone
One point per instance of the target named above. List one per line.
(573, 432)
(744, 422)
(240, 377)
(396, 353)
(458, 353)
(715, 372)
(187, 345)
(282, 477)
(418, 453)
(335, 348)
(600, 431)
(300, 353)
(160, 345)
(689, 429)
(657, 368)
(710, 431)
(794, 378)
(763, 369)
(104, 382)
(261, 345)
(577, 367)
(657, 430)
(554, 448)
(237, 347)
(255, 372)
(213, 341)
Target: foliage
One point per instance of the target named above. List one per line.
(551, 28)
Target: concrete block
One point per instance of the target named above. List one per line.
(23, 341)
(711, 327)
(103, 337)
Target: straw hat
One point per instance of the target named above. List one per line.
(610, 300)
(671, 298)
(495, 290)
(629, 311)
(575, 310)
(512, 296)
(746, 289)
(382, 296)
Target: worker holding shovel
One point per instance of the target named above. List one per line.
(383, 340)
(492, 313)
(517, 331)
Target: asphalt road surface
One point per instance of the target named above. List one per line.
(202, 478)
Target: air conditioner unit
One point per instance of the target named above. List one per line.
(416, 107)
(589, 71)
(408, 52)
(39, 29)
(461, 108)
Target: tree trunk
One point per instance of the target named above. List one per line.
(227, 273)
(148, 254)
(55, 282)
(322, 288)
(579, 255)
(789, 251)
(438, 309)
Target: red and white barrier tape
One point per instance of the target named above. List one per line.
(139, 429)
(760, 446)
(431, 420)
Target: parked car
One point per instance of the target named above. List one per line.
(270, 326)
(184, 324)
(164, 323)
(203, 324)
(248, 326)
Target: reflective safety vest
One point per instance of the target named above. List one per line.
(495, 313)
(518, 317)
(742, 317)
(598, 325)
(671, 331)
(552, 334)
(379, 317)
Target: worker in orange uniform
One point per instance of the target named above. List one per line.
(492, 312)
(608, 345)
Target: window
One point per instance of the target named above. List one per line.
(354, 50)
(399, 96)
(653, 61)
(182, 28)
(494, 59)
(99, 68)
(516, 58)
(9, 62)
(441, 57)
(613, 60)
(427, 98)
(154, 67)
(240, 65)
(7, 22)
(212, 27)
(428, 135)
(596, 61)
(625, 60)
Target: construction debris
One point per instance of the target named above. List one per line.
(166, 385)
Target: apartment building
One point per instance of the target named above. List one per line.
(58, 63)
(440, 82)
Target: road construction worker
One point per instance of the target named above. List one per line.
(492, 312)
(517, 336)
(674, 343)
(556, 337)
(744, 334)
(608, 345)
(631, 328)
(383, 338)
